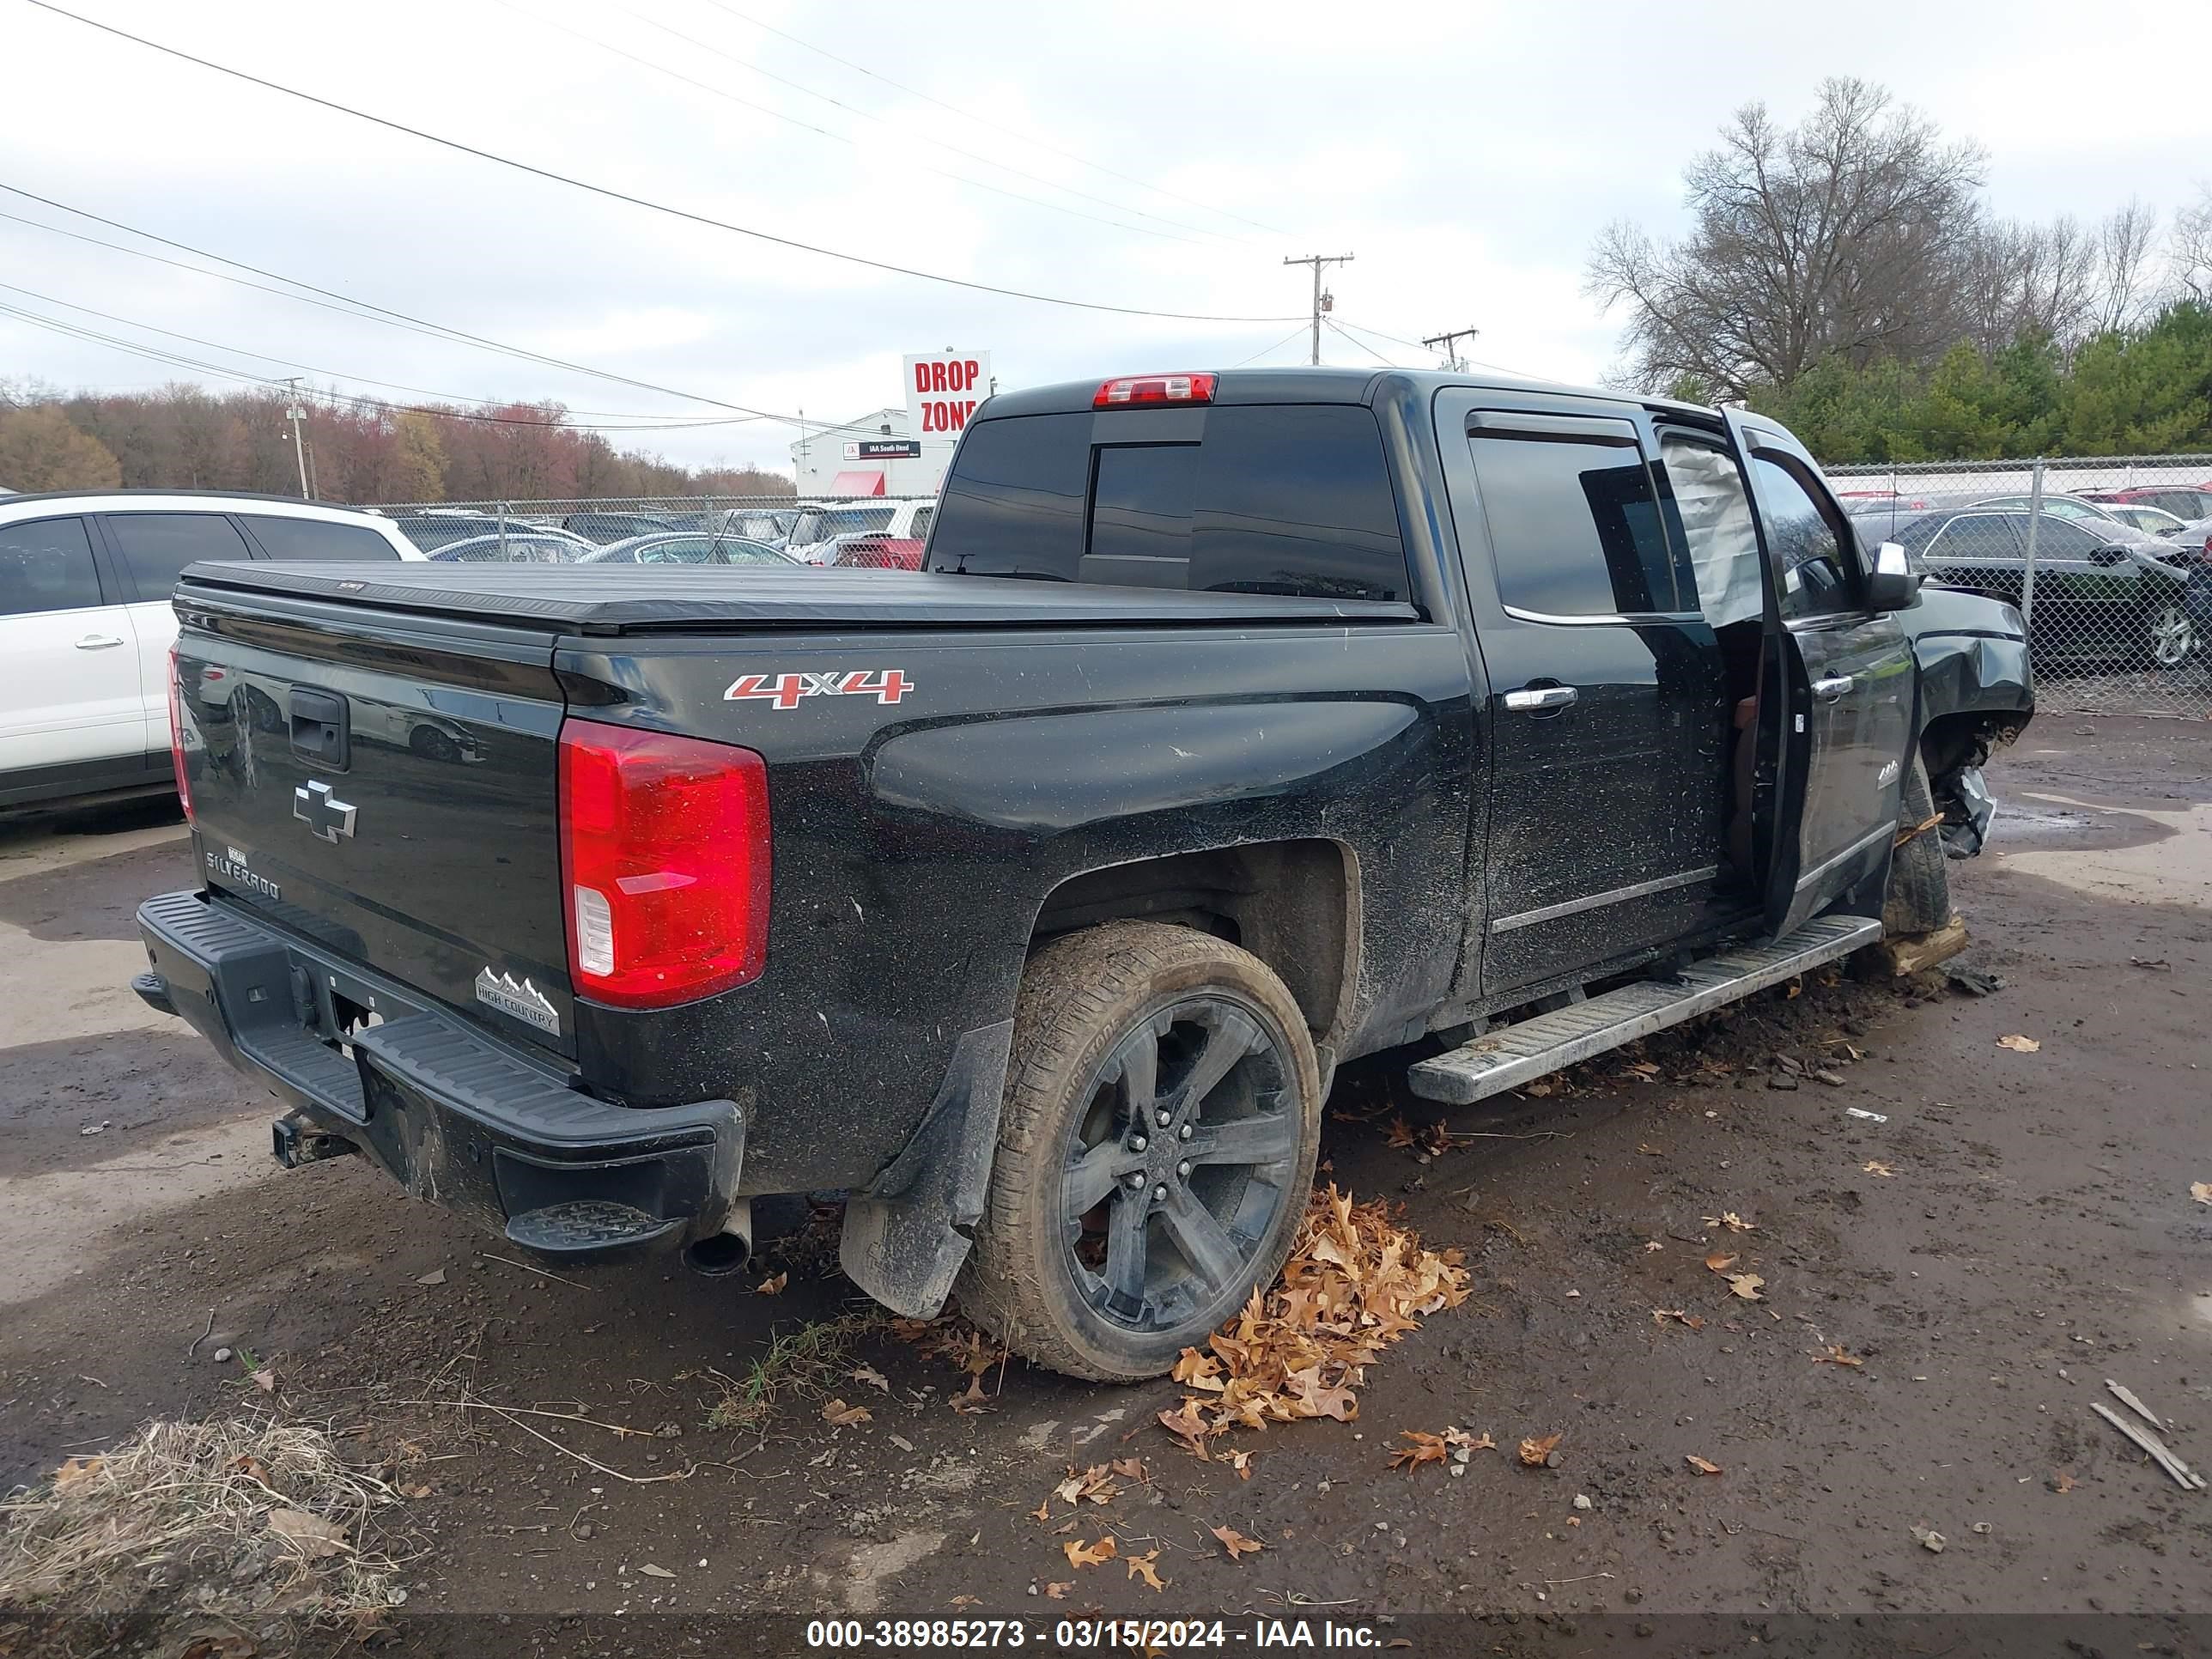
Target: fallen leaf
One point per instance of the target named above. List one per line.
(1874, 1166)
(1535, 1453)
(1131, 1469)
(772, 1285)
(1198, 1370)
(2020, 1045)
(1679, 1316)
(967, 1601)
(1720, 1261)
(1401, 1133)
(873, 1378)
(1837, 1356)
(1235, 1543)
(1042, 1511)
(2201, 1191)
(1187, 1425)
(1421, 1449)
(838, 1414)
(415, 1492)
(1463, 1441)
(1732, 1221)
(265, 1379)
(2061, 1481)
(83, 1468)
(1080, 1554)
(1241, 1462)
(312, 1536)
(975, 1399)
(1747, 1286)
(435, 1276)
(1093, 1483)
(1702, 1465)
(652, 1572)
(1057, 1592)
(1140, 1566)
(247, 1464)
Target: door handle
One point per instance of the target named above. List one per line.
(97, 641)
(1542, 696)
(1829, 690)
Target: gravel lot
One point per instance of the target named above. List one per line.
(2019, 1230)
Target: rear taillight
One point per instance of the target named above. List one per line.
(1154, 389)
(665, 860)
(177, 732)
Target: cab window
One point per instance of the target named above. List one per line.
(1815, 567)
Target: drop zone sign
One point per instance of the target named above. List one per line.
(942, 390)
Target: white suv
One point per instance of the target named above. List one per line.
(86, 627)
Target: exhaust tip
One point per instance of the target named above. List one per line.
(718, 1255)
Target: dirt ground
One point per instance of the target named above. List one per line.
(2018, 1230)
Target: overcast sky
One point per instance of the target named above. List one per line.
(1466, 152)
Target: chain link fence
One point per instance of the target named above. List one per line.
(884, 531)
(2109, 559)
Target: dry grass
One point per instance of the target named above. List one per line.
(234, 1517)
(799, 1363)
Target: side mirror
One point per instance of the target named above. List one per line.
(2109, 557)
(1894, 585)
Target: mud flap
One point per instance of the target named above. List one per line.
(906, 1237)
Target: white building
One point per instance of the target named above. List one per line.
(863, 456)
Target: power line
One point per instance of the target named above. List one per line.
(1444, 342)
(339, 374)
(614, 195)
(825, 132)
(982, 120)
(160, 354)
(1277, 346)
(1345, 335)
(365, 312)
(870, 115)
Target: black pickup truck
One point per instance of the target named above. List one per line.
(1239, 725)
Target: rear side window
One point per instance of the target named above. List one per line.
(156, 546)
(1575, 528)
(1291, 499)
(46, 565)
(312, 539)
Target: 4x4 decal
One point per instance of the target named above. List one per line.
(785, 690)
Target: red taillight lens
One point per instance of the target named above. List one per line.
(1155, 389)
(177, 732)
(665, 863)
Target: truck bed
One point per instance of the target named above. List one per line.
(619, 599)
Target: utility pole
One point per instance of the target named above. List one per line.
(295, 414)
(1320, 301)
(1444, 342)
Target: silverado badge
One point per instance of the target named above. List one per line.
(524, 1002)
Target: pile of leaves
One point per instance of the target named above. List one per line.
(224, 1519)
(1356, 1281)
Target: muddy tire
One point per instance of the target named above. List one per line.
(1156, 1150)
(1919, 896)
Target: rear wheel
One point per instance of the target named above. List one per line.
(1162, 1116)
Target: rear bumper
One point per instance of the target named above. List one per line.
(455, 1115)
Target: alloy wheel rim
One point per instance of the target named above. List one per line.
(2172, 637)
(1176, 1171)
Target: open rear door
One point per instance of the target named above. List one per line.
(1848, 707)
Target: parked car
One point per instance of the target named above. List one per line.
(2096, 517)
(439, 527)
(2186, 501)
(86, 627)
(757, 523)
(1035, 899)
(2193, 534)
(513, 547)
(687, 549)
(814, 536)
(870, 551)
(2101, 595)
(602, 529)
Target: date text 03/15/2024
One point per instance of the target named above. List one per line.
(1086, 1634)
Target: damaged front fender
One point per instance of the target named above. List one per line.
(1977, 691)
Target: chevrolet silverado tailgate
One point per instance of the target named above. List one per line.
(385, 786)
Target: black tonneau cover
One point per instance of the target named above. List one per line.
(624, 598)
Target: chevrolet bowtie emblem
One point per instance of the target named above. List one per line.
(321, 811)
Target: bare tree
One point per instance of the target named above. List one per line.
(2124, 243)
(1845, 236)
(2189, 250)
